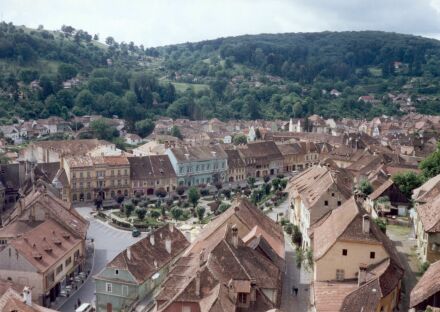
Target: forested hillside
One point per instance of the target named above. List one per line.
(347, 74)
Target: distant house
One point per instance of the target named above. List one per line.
(12, 133)
(335, 93)
(227, 139)
(314, 193)
(199, 164)
(387, 199)
(150, 173)
(366, 98)
(236, 166)
(262, 159)
(135, 272)
(132, 139)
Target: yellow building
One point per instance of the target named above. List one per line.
(355, 264)
(90, 177)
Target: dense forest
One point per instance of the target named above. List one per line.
(71, 72)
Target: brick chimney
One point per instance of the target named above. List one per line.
(27, 296)
(234, 231)
(366, 224)
(362, 275)
(198, 283)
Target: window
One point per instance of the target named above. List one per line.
(126, 171)
(186, 309)
(372, 255)
(116, 272)
(242, 298)
(333, 194)
(81, 175)
(339, 203)
(74, 185)
(59, 269)
(108, 287)
(344, 252)
(68, 261)
(119, 172)
(181, 169)
(112, 172)
(340, 275)
(50, 278)
(326, 203)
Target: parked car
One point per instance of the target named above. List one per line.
(135, 232)
(85, 307)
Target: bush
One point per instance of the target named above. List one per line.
(227, 193)
(424, 267)
(223, 207)
(204, 192)
(296, 236)
(382, 223)
(155, 214)
(201, 212)
(128, 209)
(288, 228)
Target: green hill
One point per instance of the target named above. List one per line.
(67, 72)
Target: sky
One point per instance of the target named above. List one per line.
(162, 22)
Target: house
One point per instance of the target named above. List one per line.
(151, 148)
(251, 136)
(315, 192)
(150, 173)
(15, 297)
(387, 199)
(236, 166)
(262, 159)
(91, 177)
(199, 164)
(132, 139)
(42, 258)
(12, 133)
(356, 266)
(54, 151)
(137, 271)
(426, 293)
(227, 139)
(427, 224)
(229, 267)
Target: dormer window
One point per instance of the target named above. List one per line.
(242, 298)
(116, 272)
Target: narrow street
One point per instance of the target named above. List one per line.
(294, 277)
(108, 243)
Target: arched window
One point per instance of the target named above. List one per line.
(74, 197)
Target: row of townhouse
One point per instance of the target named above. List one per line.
(235, 264)
(42, 245)
(92, 168)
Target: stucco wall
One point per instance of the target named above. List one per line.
(357, 254)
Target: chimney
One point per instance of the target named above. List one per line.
(171, 227)
(366, 224)
(362, 275)
(152, 239)
(234, 230)
(198, 283)
(27, 296)
(168, 244)
(129, 253)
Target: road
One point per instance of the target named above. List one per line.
(108, 243)
(294, 277)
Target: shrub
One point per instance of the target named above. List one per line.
(288, 228)
(128, 209)
(296, 236)
(201, 212)
(155, 214)
(141, 212)
(424, 267)
(204, 192)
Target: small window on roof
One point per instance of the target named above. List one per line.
(116, 272)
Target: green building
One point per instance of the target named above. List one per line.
(132, 276)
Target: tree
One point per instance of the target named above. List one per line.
(365, 187)
(180, 190)
(276, 183)
(119, 199)
(144, 127)
(176, 213)
(218, 186)
(407, 182)
(85, 99)
(110, 41)
(251, 181)
(96, 37)
(430, 166)
(296, 236)
(98, 202)
(67, 71)
(128, 209)
(193, 196)
(201, 212)
(266, 178)
(258, 134)
(175, 132)
(160, 192)
(141, 212)
(239, 139)
(102, 130)
(267, 187)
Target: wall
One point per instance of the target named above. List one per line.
(390, 302)
(357, 253)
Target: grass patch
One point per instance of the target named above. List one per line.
(398, 229)
(182, 86)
